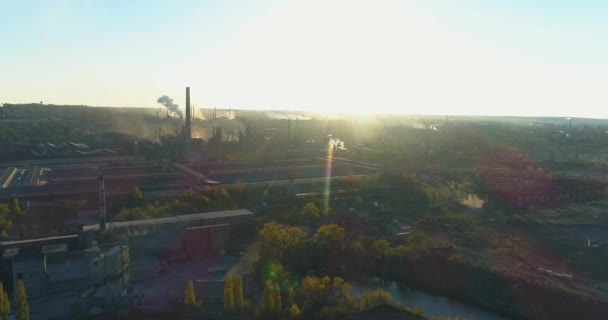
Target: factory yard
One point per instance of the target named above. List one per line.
(229, 173)
(165, 290)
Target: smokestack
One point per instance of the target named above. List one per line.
(188, 129)
(102, 204)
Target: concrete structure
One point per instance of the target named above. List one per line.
(58, 265)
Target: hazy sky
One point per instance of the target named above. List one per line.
(544, 57)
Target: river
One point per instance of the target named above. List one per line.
(433, 305)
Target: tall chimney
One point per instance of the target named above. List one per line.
(102, 203)
(188, 129)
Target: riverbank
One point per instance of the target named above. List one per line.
(432, 305)
(493, 291)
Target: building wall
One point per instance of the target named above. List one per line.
(30, 270)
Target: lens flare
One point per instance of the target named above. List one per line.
(330, 152)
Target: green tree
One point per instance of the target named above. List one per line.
(190, 295)
(278, 306)
(294, 311)
(228, 294)
(23, 308)
(238, 292)
(15, 209)
(310, 211)
(5, 307)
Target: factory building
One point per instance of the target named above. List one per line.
(58, 265)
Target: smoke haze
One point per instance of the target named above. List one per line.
(172, 107)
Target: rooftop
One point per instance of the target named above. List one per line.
(38, 241)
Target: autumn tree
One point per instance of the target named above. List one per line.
(278, 306)
(23, 308)
(372, 298)
(294, 311)
(291, 297)
(15, 208)
(5, 307)
(329, 233)
(325, 291)
(268, 299)
(190, 295)
(310, 211)
(381, 248)
(228, 294)
(5, 223)
(135, 197)
(237, 283)
(239, 192)
(221, 198)
(281, 239)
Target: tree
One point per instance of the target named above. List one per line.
(190, 295)
(5, 223)
(372, 298)
(5, 307)
(228, 294)
(268, 299)
(221, 197)
(381, 248)
(238, 192)
(278, 306)
(135, 197)
(15, 209)
(294, 311)
(23, 308)
(4, 210)
(310, 211)
(291, 297)
(281, 239)
(329, 233)
(238, 292)
(326, 291)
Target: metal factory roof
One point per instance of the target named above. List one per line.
(176, 219)
(37, 241)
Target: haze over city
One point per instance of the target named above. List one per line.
(543, 58)
(305, 159)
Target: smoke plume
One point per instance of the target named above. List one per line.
(172, 107)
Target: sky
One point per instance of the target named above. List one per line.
(457, 57)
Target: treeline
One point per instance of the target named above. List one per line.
(327, 256)
(332, 249)
(8, 214)
(208, 199)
